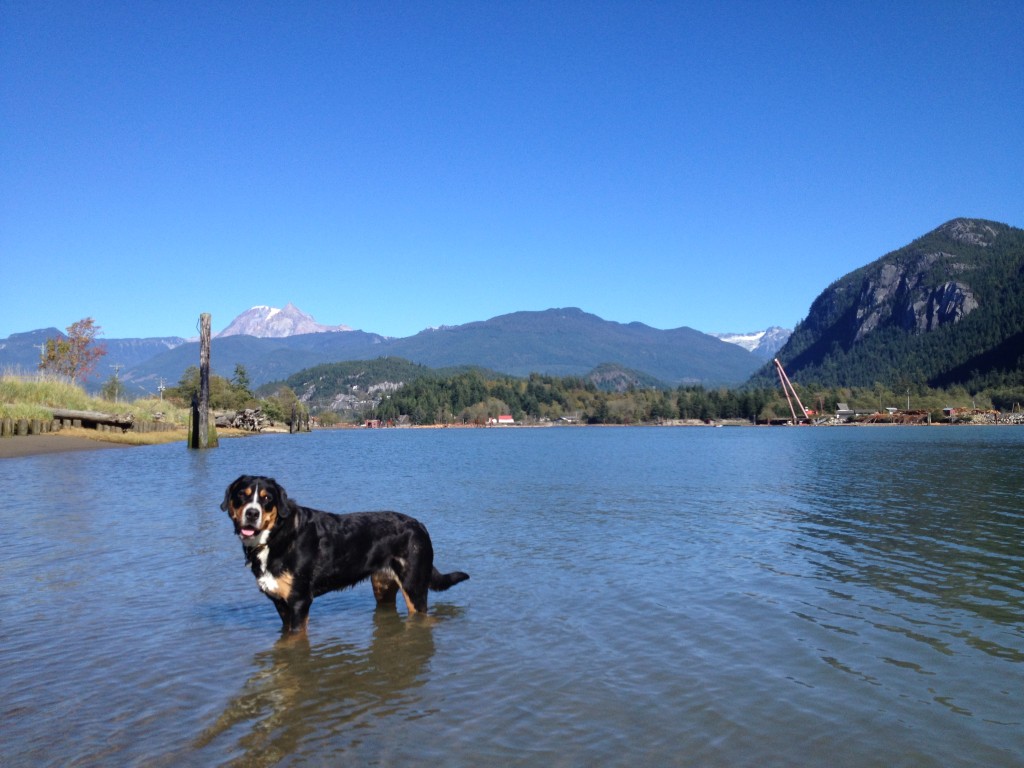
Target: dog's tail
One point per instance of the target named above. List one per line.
(439, 582)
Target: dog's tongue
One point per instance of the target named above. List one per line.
(247, 532)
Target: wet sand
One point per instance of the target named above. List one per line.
(34, 445)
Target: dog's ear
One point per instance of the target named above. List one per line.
(284, 504)
(231, 489)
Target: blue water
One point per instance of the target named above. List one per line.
(639, 596)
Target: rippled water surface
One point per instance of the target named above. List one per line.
(663, 597)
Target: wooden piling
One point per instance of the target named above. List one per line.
(200, 437)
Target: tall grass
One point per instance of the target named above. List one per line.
(35, 397)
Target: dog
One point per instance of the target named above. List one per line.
(297, 553)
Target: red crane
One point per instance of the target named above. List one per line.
(790, 393)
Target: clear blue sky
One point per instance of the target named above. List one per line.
(395, 166)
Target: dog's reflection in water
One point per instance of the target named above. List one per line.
(300, 694)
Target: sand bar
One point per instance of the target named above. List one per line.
(34, 445)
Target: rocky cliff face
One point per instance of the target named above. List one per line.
(947, 303)
(919, 288)
(970, 232)
(906, 293)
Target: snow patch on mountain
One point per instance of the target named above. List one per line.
(761, 343)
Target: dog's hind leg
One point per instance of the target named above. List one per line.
(415, 582)
(417, 568)
(415, 599)
(389, 582)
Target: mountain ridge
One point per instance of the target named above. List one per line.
(565, 341)
(945, 309)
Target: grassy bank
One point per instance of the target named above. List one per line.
(36, 397)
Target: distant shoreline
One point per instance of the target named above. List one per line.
(55, 442)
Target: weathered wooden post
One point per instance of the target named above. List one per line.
(201, 406)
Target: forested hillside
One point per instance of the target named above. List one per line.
(947, 309)
(396, 391)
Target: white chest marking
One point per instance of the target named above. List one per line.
(266, 581)
(267, 584)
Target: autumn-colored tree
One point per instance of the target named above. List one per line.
(75, 355)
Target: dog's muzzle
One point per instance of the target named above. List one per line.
(249, 525)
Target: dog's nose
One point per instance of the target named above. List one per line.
(252, 515)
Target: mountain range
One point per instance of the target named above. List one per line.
(948, 308)
(556, 341)
(273, 344)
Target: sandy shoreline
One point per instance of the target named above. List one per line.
(35, 445)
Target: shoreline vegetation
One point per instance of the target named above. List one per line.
(35, 399)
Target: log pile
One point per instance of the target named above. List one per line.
(94, 419)
(899, 417)
(250, 420)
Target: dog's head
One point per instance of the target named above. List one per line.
(255, 504)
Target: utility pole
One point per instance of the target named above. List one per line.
(117, 382)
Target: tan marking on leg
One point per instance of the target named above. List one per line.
(408, 602)
(284, 584)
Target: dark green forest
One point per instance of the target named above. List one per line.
(398, 391)
(472, 398)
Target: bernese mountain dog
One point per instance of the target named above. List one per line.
(297, 553)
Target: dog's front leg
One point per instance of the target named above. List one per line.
(283, 611)
(294, 613)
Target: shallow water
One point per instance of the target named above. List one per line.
(713, 597)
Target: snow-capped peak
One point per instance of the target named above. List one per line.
(761, 343)
(271, 322)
